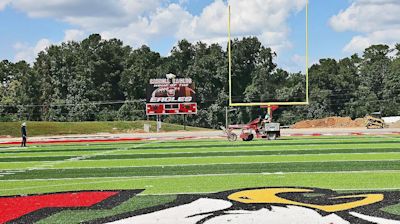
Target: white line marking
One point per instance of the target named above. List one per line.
(206, 164)
(207, 175)
(101, 182)
(241, 156)
(54, 163)
(228, 151)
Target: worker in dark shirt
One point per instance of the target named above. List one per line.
(23, 132)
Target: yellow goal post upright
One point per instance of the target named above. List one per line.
(263, 104)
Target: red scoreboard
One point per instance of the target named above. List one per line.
(171, 108)
(171, 96)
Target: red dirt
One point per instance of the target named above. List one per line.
(331, 122)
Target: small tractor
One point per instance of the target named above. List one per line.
(374, 121)
(257, 128)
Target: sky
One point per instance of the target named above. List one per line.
(337, 28)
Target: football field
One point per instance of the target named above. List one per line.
(161, 170)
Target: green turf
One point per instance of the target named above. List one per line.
(24, 165)
(61, 128)
(7, 160)
(394, 209)
(374, 180)
(122, 155)
(206, 169)
(365, 163)
(136, 203)
(226, 160)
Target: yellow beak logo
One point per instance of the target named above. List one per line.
(271, 196)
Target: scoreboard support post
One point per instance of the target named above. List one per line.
(171, 96)
(184, 122)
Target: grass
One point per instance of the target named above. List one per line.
(13, 129)
(207, 169)
(394, 209)
(71, 216)
(209, 183)
(165, 169)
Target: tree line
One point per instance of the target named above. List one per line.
(105, 80)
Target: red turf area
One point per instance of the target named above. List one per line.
(16, 207)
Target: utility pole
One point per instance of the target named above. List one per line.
(227, 110)
(158, 123)
(226, 117)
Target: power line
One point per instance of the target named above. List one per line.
(75, 104)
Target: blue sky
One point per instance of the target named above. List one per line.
(337, 28)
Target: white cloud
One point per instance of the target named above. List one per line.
(266, 19)
(4, 3)
(92, 15)
(74, 35)
(296, 63)
(378, 22)
(29, 53)
(41, 45)
(146, 19)
(139, 22)
(171, 18)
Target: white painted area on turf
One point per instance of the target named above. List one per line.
(205, 208)
(184, 214)
(372, 219)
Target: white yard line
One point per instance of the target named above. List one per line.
(51, 164)
(246, 156)
(206, 164)
(123, 178)
(283, 147)
(219, 156)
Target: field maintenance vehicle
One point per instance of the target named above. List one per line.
(257, 128)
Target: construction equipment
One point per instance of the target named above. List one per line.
(256, 128)
(374, 121)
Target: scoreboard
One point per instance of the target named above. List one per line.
(171, 108)
(171, 96)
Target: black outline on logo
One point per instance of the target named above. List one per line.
(390, 198)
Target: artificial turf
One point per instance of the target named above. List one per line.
(231, 154)
(164, 169)
(136, 203)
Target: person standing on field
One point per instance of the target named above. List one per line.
(23, 132)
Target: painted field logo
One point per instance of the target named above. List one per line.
(281, 205)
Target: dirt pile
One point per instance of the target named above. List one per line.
(331, 122)
(395, 125)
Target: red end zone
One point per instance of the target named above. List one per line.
(13, 208)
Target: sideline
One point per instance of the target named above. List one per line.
(217, 134)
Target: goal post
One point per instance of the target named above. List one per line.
(249, 104)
